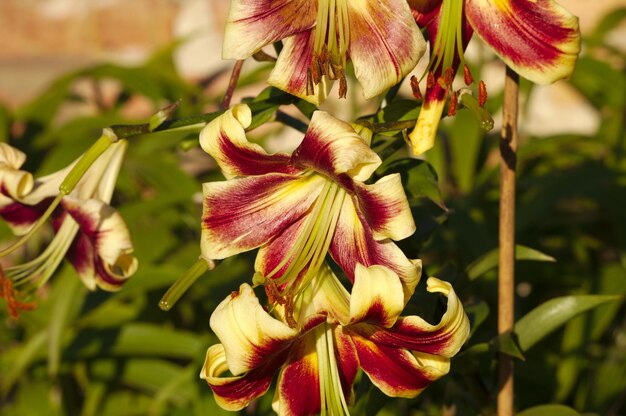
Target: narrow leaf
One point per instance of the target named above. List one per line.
(552, 314)
(549, 410)
(489, 261)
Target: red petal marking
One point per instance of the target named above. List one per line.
(274, 252)
(354, 243)
(395, 371)
(529, 33)
(19, 215)
(245, 213)
(298, 385)
(256, 23)
(407, 333)
(253, 384)
(247, 161)
(347, 361)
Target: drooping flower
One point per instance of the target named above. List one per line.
(88, 231)
(378, 36)
(337, 334)
(539, 39)
(298, 207)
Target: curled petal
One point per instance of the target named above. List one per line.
(414, 333)
(224, 138)
(396, 371)
(333, 147)
(290, 73)
(354, 243)
(245, 213)
(386, 208)
(252, 24)
(249, 334)
(385, 43)
(537, 38)
(328, 296)
(298, 387)
(377, 296)
(15, 183)
(102, 253)
(235, 393)
(425, 12)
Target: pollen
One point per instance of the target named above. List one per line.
(332, 38)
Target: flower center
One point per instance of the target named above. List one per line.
(332, 399)
(332, 37)
(449, 40)
(307, 254)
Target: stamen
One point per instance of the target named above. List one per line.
(483, 116)
(482, 93)
(332, 399)
(467, 75)
(415, 88)
(453, 104)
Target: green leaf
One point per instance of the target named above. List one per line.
(549, 410)
(552, 314)
(489, 261)
(419, 180)
(20, 358)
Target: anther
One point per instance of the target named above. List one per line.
(415, 88)
(430, 80)
(482, 93)
(467, 75)
(448, 76)
(454, 98)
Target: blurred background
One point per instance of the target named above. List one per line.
(68, 68)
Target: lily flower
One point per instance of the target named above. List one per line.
(379, 36)
(88, 231)
(337, 334)
(538, 39)
(299, 207)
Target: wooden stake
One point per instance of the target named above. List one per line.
(506, 265)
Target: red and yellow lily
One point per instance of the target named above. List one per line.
(299, 207)
(337, 334)
(379, 37)
(88, 231)
(537, 38)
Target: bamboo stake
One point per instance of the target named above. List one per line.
(506, 264)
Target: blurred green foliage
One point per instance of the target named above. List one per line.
(84, 353)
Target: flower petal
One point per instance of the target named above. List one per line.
(291, 69)
(252, 24)
(332, 146)
(326, 295)
(377, 296)
(245, 213)
(414, 333)
(298, 387)
(386, 208)
(235, 393)
(385, 43)
(224, 138)
(396, 371)
(423, 135)
(354, 243)
(250, 335)
(537, 38)
(15, 183)
(102, 253)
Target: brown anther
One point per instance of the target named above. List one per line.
(310, 85)
(273, 294)
(448, 76)
(11, 296)
(314, 69)
(454, 99)
(415, 88)
(343, 87)
(289, 313)
(430, 81)
(482, 93)
(467, 75)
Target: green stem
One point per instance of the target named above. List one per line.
(183, 283)
(471, 103)
(100, 146)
